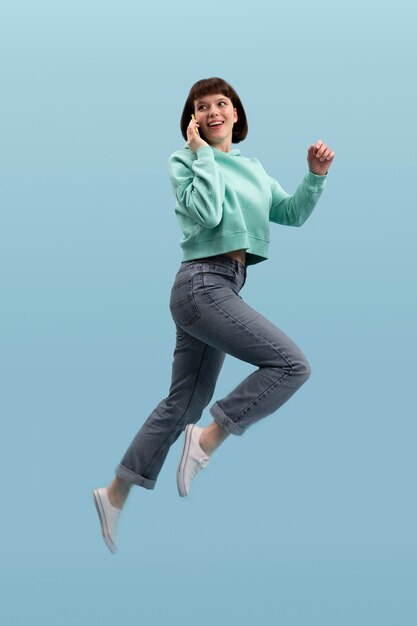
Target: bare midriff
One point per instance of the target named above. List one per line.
(238, 255)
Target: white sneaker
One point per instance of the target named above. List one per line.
(193, 459)
(109, 517)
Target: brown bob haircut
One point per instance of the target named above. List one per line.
(209, 87)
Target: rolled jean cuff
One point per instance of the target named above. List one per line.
(225, 422)
(132, 477)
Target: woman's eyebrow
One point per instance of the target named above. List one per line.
(204, 102)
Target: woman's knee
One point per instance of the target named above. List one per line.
(302, 369)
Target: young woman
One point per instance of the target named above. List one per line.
(224, 203)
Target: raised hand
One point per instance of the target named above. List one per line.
(319, 158)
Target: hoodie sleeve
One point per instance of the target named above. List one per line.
(198, 186)
(293, 210)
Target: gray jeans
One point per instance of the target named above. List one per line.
(211, 321)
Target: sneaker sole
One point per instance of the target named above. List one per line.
(102, 517)
(180, 472)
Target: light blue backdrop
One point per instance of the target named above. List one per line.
(310, 519)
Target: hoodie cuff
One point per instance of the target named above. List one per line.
(205, 152)
(316, 181)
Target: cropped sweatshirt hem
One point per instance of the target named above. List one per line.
(225, 243)
(225, 202)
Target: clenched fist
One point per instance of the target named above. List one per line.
(319, 158)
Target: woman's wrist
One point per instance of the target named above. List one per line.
(316, 174)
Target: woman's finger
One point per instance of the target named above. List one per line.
(325, 154)
(319, 143)
(193, 125)
(321, 150)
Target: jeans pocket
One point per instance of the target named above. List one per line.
(182, 304)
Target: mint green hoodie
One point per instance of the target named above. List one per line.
(225, 202)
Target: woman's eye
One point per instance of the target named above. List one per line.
(203, 106)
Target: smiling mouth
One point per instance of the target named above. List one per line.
(216, 125)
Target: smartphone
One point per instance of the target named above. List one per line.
(196, 130)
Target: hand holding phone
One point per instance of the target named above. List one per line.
(194, 140)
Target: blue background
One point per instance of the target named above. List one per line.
(311, 517)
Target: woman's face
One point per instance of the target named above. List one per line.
(216, 115)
